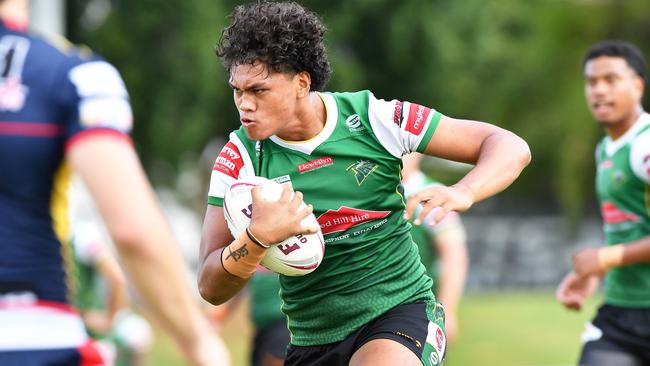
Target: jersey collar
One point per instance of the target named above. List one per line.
(613, 146)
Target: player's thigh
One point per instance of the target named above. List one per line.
(417, 328)
(384, 352)
(604, 353)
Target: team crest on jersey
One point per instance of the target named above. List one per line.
(229, 161)
(354, 123)
(362, 169)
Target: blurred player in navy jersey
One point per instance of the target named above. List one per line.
(64, 110)
(615, 78)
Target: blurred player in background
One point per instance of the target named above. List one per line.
(615, 76)
(271, 333)
(62, 110)
(370, 300)
(271, 337)
(442, 247)
(101, 297)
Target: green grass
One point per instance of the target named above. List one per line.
(516, 329)
(497, 329)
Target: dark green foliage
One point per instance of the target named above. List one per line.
(517, 64)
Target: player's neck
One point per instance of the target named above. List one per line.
(310, 119)
(617, 130)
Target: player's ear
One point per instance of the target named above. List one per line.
(303, 80)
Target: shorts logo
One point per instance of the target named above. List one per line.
(346, 217)
(315, 164)
(436, 338)
(362, 169)
(417, 118)
(229, 161)
(354, 123)
(434, 358)
(397, 113)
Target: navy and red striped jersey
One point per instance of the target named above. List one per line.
(50, 97)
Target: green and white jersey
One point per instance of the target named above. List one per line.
(623, 189)
(350, 173)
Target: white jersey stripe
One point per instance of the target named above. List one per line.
(39, 327)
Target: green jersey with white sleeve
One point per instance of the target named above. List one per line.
(350, 173)
(623, 189)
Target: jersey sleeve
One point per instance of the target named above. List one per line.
(233, 162)
(96, 100)
(640, 156)
(402, 127)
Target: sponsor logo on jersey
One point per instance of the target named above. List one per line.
(282, 179)
(344, 218)
(418, 116)
(315, 164)
(362, 169)
(397, 113)
(229, 161)
(354, 123)
(646, 162)
(614, 215)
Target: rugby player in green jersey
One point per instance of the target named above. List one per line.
(370, 300)
(620, 332)
(442, 247)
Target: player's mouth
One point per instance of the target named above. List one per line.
(601, 108)
(246, 122)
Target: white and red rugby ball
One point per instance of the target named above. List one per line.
(295, 256)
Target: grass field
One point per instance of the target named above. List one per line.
(497, 329)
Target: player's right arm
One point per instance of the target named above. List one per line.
(574, 290)
(226, 263)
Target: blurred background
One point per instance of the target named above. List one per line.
(517, 64)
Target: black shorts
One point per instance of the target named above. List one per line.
(418, 326)
(271, 340)
(617, 336)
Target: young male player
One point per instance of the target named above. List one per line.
(369, 302)
(615, 74)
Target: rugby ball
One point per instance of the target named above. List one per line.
(295, 256)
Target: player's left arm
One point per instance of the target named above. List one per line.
(498, 156)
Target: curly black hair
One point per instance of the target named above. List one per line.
(283, 35)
